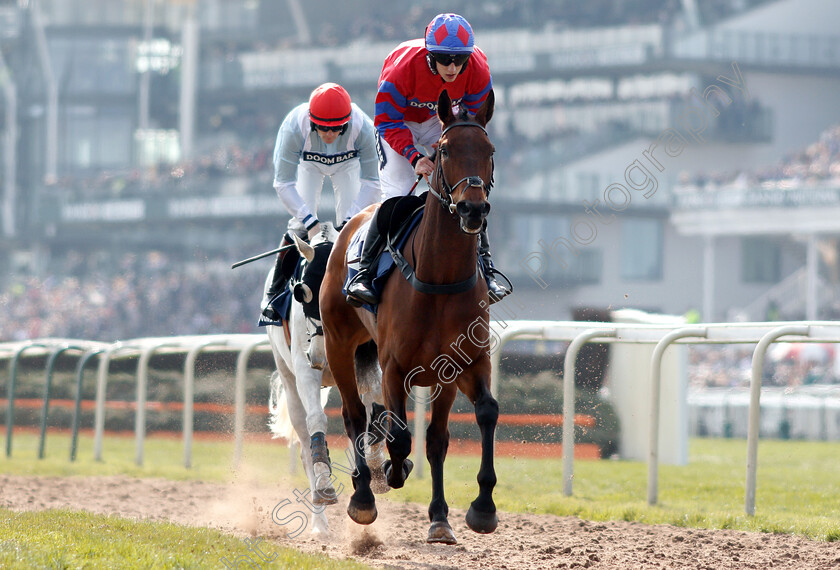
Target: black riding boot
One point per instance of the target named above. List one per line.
(360, 291)
(495, 290)
(278, 282)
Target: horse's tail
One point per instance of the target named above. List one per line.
(279, 421)
(368, 373)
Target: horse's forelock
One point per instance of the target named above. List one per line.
(463, 113)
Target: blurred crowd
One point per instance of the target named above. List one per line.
(396, 22)
(190, 175)
(816, 164)
(94, 297)
(89, 297)
(730, 366)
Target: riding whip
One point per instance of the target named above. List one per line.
(416, 182)
(260, 256)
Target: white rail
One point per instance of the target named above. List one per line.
(577, 333)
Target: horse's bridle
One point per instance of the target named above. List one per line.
(445, 198)
(445, 195)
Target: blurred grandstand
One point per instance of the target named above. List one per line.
(138, 137)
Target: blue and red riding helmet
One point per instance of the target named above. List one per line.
(449, 33)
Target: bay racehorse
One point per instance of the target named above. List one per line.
(437, 336)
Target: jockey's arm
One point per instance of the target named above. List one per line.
(295, 205)
(287, 154)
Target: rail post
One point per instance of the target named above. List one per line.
(77, 407)
(239, 398)
(45, 408)
(655, 387)
(189, 395)
(10, 392)
(755, 405)
(569, 401)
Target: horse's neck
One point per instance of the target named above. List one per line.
(442, 252)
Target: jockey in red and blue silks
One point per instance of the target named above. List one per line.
(407, 124)
(406, 107)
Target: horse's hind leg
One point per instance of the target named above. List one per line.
(375, 450)
(362, 507)
(437, 443)
(482, 514)
(399, 466)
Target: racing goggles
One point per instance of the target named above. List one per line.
(336, 129)
(446, 59)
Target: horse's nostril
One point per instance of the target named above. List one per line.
(467, 209)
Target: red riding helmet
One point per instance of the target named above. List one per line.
(329, 105)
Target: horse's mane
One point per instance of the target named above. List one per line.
(463, 113)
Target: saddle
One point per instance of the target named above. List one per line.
(396, 218)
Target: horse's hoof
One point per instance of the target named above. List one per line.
(326, 496)
(361, 514)
(441, 532)
(482, 523)
(320, 531)
(408, 466)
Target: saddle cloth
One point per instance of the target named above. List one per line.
(384, 264)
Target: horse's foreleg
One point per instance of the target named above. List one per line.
(398, 467)
(437, 443)
(482, 514)
(321, 489)
(308, 384)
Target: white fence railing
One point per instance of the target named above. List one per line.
(577, 333)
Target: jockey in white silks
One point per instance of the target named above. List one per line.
(327, 136)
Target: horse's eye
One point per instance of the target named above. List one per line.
(443, 151)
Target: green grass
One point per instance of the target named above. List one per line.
(163, 457)
(65, 539)
(796, 493)
(797, 488)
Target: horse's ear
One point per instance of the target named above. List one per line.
(444, 108)
(485, 113)
(306, 250)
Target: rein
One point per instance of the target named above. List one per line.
(445, 198)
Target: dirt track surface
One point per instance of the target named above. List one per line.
(397, 538)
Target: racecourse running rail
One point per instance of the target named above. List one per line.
(575, 332)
